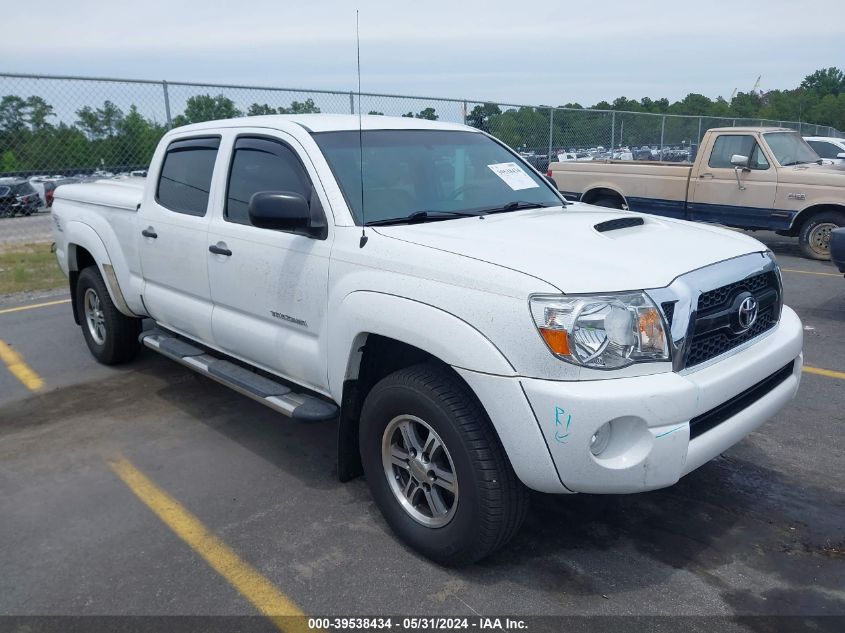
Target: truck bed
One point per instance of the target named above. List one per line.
(647, 180)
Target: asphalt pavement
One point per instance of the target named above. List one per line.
(758, 531)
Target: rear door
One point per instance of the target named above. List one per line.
(269, 287)
(715, 195)
(173, 240)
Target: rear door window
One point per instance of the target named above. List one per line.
(185, 179)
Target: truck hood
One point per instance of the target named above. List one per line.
(812, 174)
(562, 247)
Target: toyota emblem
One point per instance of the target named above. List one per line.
(747, 313)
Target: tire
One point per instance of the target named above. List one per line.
(814, 237)
(111, 336)
(489, 504)
(610, 202)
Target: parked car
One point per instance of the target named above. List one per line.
(837, 249)
(750, 178)
(829, 148)
(472, 335)
(50, 188)
(20, 198)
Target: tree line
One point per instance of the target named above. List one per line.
(31, 140)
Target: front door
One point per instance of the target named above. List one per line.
(269, 287)
(717, 197)
(173, 240)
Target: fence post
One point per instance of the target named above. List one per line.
(613, 133)
(551, 131)
(698, 140)
(464, 112)
(351, 102)
(662, 132)
(167, 105)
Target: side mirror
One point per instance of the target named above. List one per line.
(840, 155)
(284, 211)
(738, 160)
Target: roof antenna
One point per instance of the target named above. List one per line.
(364, 237)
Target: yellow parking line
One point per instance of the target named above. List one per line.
(825, 372)
(248, 581)
(810, 272)
(34, 305)
(19, 368)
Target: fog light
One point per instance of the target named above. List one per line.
(600, 439)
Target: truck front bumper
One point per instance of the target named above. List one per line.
(661, 426)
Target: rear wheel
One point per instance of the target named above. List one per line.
(814, 236)
(436, 468)
(112, 337)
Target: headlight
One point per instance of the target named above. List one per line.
(601, 331)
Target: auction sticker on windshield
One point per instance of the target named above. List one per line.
(513, 175)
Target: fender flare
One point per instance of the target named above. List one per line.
(82, 235)
(431, 329)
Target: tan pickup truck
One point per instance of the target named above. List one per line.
(744, 177)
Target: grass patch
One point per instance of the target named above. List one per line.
(29, 267)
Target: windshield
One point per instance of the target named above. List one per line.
(23, 189)
(4, 191)
(438, 171)
(790, 149)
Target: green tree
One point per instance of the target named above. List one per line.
(297, 107)
(8, 162)
(201, 108)
(481, 115)
(827, 81)
(12, 114)
(260, 109)
(38, 111)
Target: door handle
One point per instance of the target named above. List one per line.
(220, 249)
(149, 232)
(705, 175)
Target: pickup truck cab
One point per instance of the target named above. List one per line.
(418, 286)
(749, 178)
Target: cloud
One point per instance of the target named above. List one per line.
(542, 53)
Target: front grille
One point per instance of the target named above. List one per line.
(714, 329)
(706, 421)
(722, 296)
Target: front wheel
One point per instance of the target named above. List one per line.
(112, 337)
(436, 468)
(814, 236)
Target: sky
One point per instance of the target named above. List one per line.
(535, 53)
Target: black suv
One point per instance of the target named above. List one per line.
(18, 197)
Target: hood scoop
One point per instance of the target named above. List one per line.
(618, 223)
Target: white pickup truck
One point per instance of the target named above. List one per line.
(471, 333)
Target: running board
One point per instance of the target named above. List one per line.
(297, 406)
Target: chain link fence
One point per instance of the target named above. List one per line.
(56, 130)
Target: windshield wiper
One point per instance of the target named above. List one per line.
(804, 162)
(421, 216)
(514, 206)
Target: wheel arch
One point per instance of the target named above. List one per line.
(600, 191)
(86, 248)
(805, 214)
(382, 334)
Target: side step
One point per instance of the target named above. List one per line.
(297, 406)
